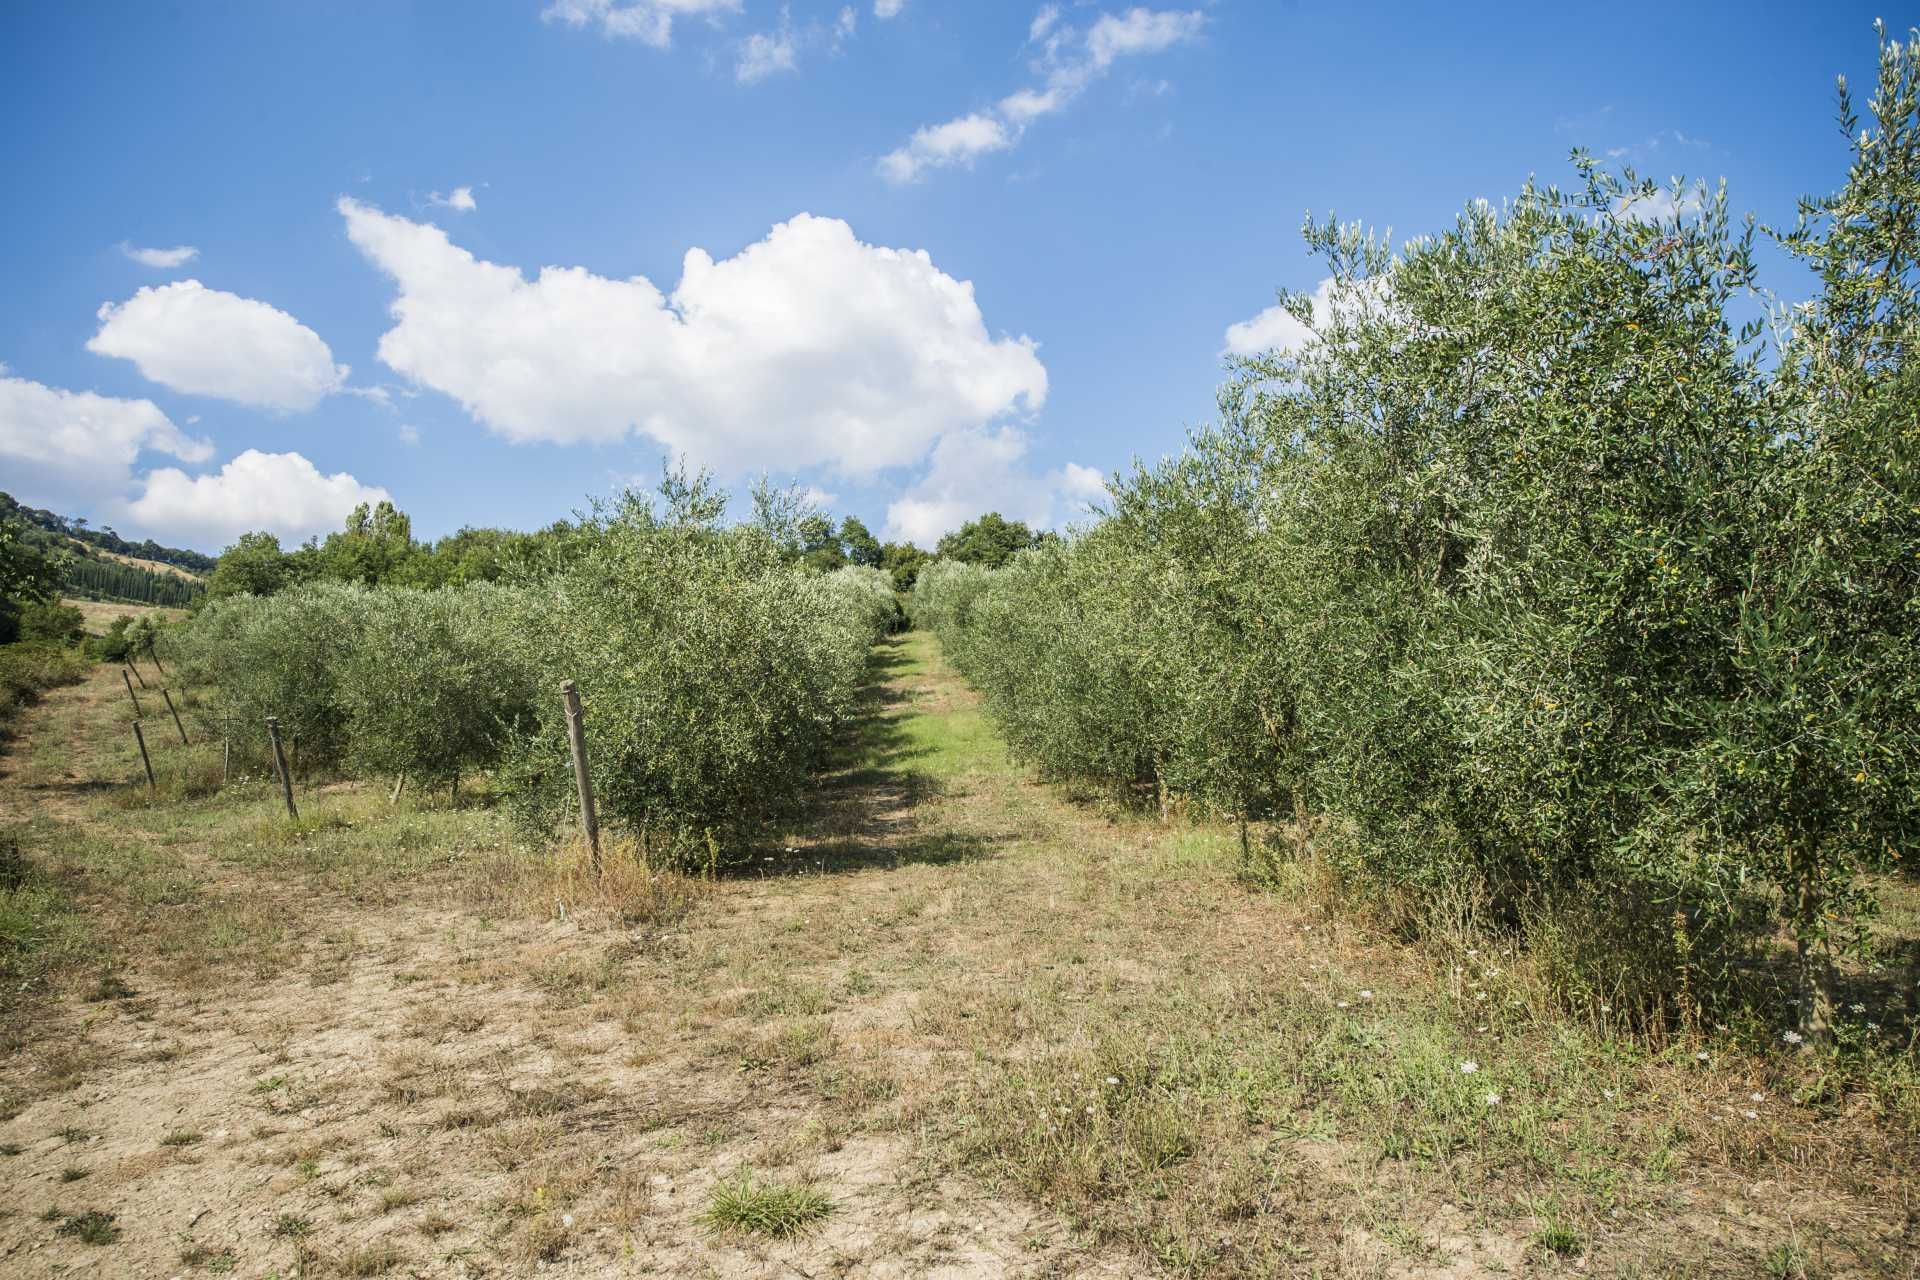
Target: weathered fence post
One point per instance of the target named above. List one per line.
(131, 694)
(226, 749)
(153, 656)
(141, 738)
(582, 780)
(136, 672)
(176, 715)
(280, 765)
(398, 784)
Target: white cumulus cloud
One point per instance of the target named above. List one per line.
(460, 200)
(161, 259)
(766, 53)
(282, 493)
(884, 9)
(1276, 329)
(648, 21)
(1070, 59)
(206, 342)
(937, 146)
(76, 447)
(806, 349)
(982, 469)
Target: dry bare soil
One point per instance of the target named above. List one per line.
(954, 1024)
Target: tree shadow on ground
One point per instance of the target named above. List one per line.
(860, 815)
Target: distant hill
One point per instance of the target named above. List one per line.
(102, 565)
(196, 563)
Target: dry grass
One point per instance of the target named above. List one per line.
(97, 615)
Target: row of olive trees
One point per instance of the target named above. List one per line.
(713, 669)
(1531, 570)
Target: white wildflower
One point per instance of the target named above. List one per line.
(1791, 1037)
(1493, 1099)
(1468, 1066)
(1366, 995)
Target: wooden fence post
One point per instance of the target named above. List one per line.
(399, 784)
(226, 749)
(582, 780)
(131, 694)
(280, 765)
(176, 715)
(153, 656)
(136, 672)
(141, 738)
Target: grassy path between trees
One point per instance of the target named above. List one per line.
(953, 1024)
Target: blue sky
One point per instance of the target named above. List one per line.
(485, 212)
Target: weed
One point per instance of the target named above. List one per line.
(72, 1173)
(92, 1227)
(290, 1226)
(370, 1260)
(181, 1138)
(777, 1209)
(1787, 1261)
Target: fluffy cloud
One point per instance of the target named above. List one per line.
(282, 493)
(1276, 329)
(648, 21)
(939, 145)
(161, 259)
(1138, 31)
(808, 348)
(205, 342)
(1071, 60)
(766, 53)
(70, 447)
(884, 9)
(979, 470)
(1080, 484)
(460, 200)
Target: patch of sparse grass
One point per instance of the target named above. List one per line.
(435, 1225)
(73, 1173)
(398, 1198)
(370, 1260)
(1787, 1261)
(95, 1227)
(181, 1138)
(767, 1208)
(218, 1261)
(291, 1226)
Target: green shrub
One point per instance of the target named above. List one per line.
(713, 674)
(1531, 572)
(430, 685)
(30, 668)
(282, 656)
